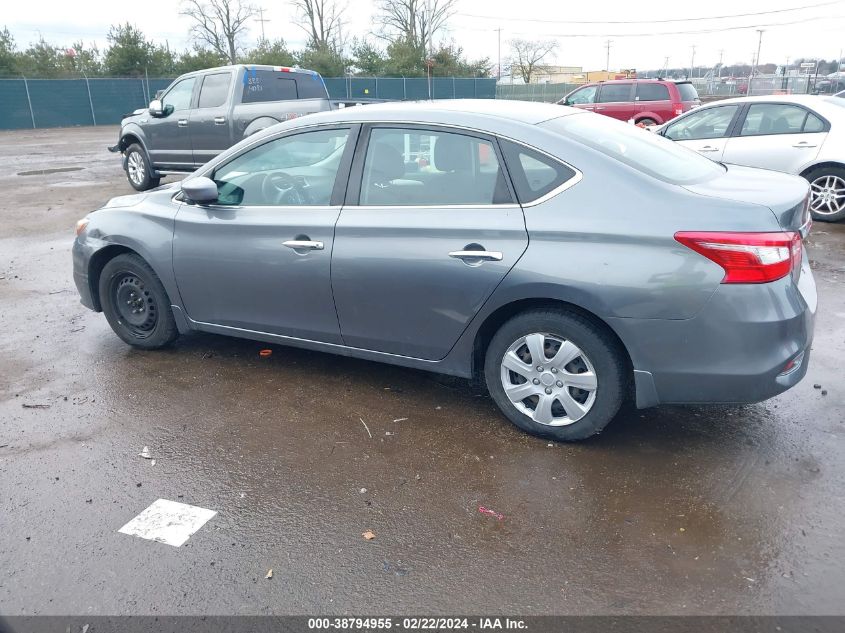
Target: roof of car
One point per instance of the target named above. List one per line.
(449, 111)
(799, 99)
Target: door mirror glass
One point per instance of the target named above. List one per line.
(200, 190)
(156, 108)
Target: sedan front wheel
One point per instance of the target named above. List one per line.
(556, 374)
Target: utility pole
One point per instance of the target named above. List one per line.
(665, 66)
(607, 61)
(262, 19)
(757, 58)
(692, 61)
(499, 62)
(721, 56)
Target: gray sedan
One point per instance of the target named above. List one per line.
(570, 260)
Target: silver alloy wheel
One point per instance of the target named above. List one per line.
(549, 379)
(135, 167)
(827, 195)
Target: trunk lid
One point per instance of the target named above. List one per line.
(784, 194)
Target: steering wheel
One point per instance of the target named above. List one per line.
(284, 189)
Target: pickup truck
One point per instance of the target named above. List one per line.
(205, 112)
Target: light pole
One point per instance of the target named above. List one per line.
(692, 62)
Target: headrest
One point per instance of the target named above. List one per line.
(387, 164)
(452, 153)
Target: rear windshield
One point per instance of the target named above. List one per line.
(688, 92)
(644, 151)
(271, 85)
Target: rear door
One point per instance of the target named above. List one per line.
(259, 259)
(429, 230)
(616, 100)
(705, 130)
(169, 138)
(654, 102)
(780, 136)
(211, 131)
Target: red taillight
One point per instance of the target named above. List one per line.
(748, 258)
(679, 110)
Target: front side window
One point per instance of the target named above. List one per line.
(533, 174)
(414, 167)
(296, 170)
(584, 95)
(215, 90)
(652, 92)
(702, 124)
(773, 118)
(644, 151)
(179, 96)
(614, 93)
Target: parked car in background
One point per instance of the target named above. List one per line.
(476, 238)
(642, 101)
(203, 113)
(841, 95)
(797, 134)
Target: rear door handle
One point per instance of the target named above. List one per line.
(803, 145)
(708, 148)
(490, 256)
(599, 108)
(182, 123)
(303, 245)
(219, 120)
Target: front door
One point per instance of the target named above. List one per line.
(260, 258)
(169, 135)
(434, 232)
(705, 130)
(211, 129)
(779, 136)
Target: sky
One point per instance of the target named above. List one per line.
(642, 35)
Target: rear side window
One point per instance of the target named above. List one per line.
(273, 85)
(652, 92)
(215, 89)
(644, 151)
(612, 93)
(773, 118)
(533, 174)
(417, 167)
(687, 92)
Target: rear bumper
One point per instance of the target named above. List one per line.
(734, 351)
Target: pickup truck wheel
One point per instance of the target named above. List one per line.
(138, 169)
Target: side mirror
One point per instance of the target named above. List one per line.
(200, 190)
(156, 109)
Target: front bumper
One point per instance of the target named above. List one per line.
(81, 258)
(734, 351)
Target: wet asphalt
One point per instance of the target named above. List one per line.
(674, 510)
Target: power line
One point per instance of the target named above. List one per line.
(695, 32)
(664, 21)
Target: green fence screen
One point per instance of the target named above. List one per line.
(39, 103)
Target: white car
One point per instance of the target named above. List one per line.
(797, 134)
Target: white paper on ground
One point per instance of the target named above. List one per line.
(168, 522)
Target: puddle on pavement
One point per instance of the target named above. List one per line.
(44, 172)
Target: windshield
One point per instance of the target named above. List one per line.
(644, 151)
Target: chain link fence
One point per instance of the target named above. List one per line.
(548, 93)
(40, 103)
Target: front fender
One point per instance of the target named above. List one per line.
(132, 129)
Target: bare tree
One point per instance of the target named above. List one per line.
(322, 20)
(219, 24)
(528, 56)
(415, 21)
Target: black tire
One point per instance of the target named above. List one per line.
(601, 348)
(822, 174)
(138, 179)
(128, 278)
(646, 121)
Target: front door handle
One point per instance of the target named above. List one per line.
(802, 145)
(182, 123)
(303, 245)
(487, 256)
(219, 120)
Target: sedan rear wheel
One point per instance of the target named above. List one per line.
(556, 374)
(827, 194)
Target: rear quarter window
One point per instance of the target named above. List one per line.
(534, 175)
(687, 92)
